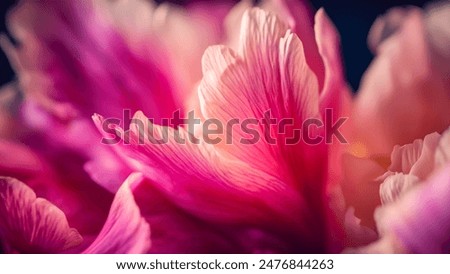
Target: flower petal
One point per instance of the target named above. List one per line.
(396, 185)
(335, 94)
(411, 80)
(416, 158)
(442, 154)
(420, 220)
(30, 224)
(125, 230)
(217, 189)
(245, 85)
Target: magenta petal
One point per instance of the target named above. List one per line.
(125, 230)
(30, 224)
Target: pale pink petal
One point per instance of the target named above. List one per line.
(442, 154)
(420, 220)
(396, 185)
(30, 224)
(411, 80)
(416, 158)
(125, 230)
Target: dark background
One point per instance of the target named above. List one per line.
(353, 19)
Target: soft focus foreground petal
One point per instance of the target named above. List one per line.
(125, 230)
(420, 220)
(30, 224)
(404, 76)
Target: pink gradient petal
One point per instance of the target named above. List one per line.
(125, 230)
(248, 80)
(30, 224)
